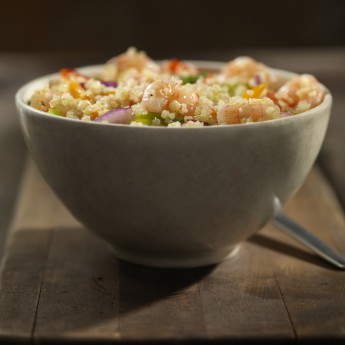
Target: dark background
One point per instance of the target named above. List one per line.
(169, 28)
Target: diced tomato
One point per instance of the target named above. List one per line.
(70, 72)
(173, 64)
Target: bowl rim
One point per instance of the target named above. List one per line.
(21, 101)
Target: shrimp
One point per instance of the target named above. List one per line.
(249, 71)
(242, 110)
(157, 95)
(131, 59)
(188, 98)
(170, 95)
(300, 93)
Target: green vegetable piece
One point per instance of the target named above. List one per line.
(53, 112)
(192, 79)
(147, 118)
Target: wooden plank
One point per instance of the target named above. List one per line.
(242, 301)
(61, 284)
(160, 304)
(37, 206)
(314, 293)
(79, 295)
(24, 260)
(20, 285)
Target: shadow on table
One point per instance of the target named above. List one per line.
(289, 250)
(73, 287)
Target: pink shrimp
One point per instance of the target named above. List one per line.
(131, 59)
(300, 93)
(169, 95)
(249, 71)
(242, 110)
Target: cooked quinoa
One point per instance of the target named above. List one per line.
(132, 89)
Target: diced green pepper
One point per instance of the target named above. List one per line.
(53, 112)
(148, 117)
(192, 79)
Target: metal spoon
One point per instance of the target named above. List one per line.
(302, 235)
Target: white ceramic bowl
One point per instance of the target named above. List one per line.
(173, 197)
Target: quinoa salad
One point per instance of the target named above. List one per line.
(134, 90)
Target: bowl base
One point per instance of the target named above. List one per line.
(177, 262)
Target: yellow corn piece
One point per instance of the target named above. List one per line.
(256, 92)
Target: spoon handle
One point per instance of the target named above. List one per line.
(320, 248)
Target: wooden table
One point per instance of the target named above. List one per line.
(60, 284)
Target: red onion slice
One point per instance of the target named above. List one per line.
(285, 114)
(258, 79)
(109, 83)
(113, 84)
(119, 115)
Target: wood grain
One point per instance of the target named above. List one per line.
(61, 284)
(21, 281)
(315, 295)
